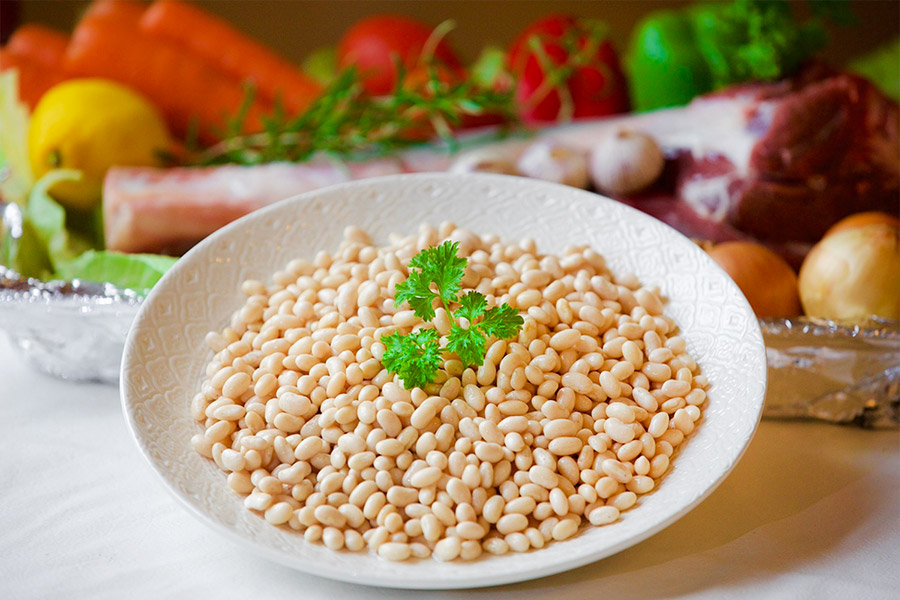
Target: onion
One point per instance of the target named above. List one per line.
(765, 278)
(863, 218)
(853, 274)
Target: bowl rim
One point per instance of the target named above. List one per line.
(373, 578)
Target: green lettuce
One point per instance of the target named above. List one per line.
(138, 272)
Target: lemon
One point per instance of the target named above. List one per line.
(91, 125)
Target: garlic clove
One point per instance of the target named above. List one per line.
(552, 161)
(485, 160)
(625, 162)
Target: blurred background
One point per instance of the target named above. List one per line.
(297, 27)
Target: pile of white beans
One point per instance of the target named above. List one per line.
(570, 422)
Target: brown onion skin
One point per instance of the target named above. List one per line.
(767, 280)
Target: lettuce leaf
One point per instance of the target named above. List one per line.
(138, 272)
(46, 249)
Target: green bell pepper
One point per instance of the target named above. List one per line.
(665, 66)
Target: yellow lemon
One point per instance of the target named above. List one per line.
(91, 125)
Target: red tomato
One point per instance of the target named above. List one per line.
(596, 84)
(373, 45)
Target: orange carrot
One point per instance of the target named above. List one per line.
(232, 51)
(41, 44)
(183, 86)
(125, 12)
(34, 78)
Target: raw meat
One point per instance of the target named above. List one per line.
(779, 162)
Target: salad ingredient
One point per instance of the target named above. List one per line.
(416, 357)
(138, 272)
(566, 68)
(853, 274)
(675, 55)
(754, 40)
(861, 219)
(881, 67)
(236, 54)
(665, 66)
(552, 161)
(89, 125)
(46, 248)
(547, 434)
(376, 46)
(625, 162)
(767, 281)
(191, 94)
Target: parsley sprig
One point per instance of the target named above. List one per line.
(436, 274)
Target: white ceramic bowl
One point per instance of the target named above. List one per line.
(165, 354)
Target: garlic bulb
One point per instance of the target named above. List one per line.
(625, 162)
(485, 160)
(552, 161)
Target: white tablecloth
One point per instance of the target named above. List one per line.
(812, 511)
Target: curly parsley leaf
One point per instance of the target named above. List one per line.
(471, 306)
(468, 344)
(501, 322)
(437, 273)
(443, 267)
(416, 290)
(415, 357)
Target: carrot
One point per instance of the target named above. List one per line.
(34, 78)
(220, 43)
(41, 44)
(183, 86)
(127, 13)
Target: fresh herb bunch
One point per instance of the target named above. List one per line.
(757, 39)
(436, 274)
(348, 122)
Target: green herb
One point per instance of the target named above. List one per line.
(416, 357)
(677, 54)
(346, 121)
(436, 274)
(754, 40)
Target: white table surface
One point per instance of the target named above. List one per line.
(811, 511)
